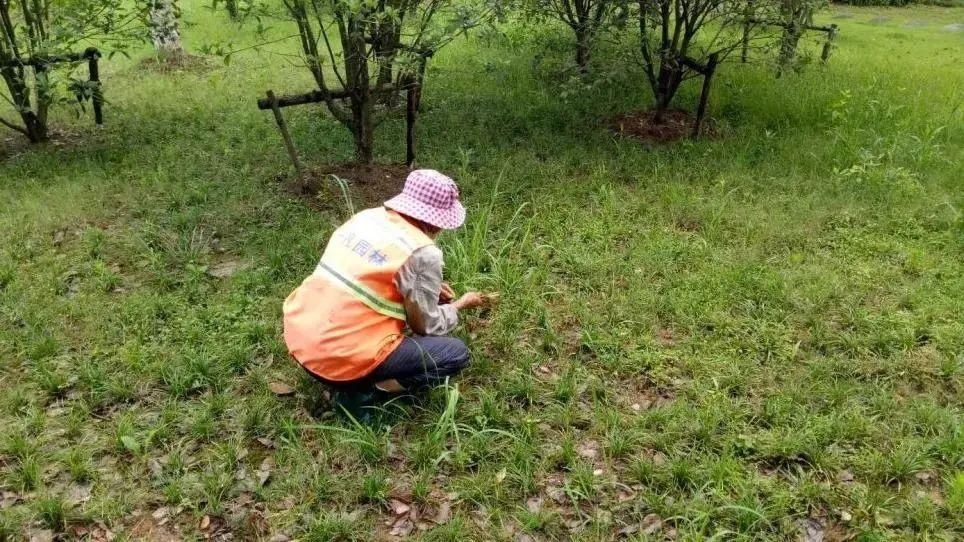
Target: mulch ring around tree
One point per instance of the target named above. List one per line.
(177, 63)
(13, 144)
(676, 124)
(367, 185)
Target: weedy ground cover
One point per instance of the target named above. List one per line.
(751, 336)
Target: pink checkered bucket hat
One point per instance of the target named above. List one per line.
(430, 197)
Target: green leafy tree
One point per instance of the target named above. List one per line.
(676, 37)
(237, 9)
(586, 18)
(795, 16)
(33, 34)
(363, 52)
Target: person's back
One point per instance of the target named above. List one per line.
(349, 315)
(380, 273)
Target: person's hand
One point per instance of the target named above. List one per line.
(447, 294)
(470, 300)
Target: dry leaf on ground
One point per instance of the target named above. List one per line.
(811, 530)
(264, 471)
(444, 513)
(78, 494)
(8, 499)
(226, 268)
(40, 535)
(534, 504)
(281, 389)
(588, 449)
(652, 524)
(398, 507)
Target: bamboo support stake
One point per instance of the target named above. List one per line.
(93, 55)
(289, 144)
(411, 115)
(828, 45)
(705, 93)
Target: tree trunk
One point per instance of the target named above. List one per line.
(36, 127)
(34, 122)
(359, 85)
(232, 6)
(363, 129)
(583, 47)
(667, 83)
(162, 21)
(788, 45)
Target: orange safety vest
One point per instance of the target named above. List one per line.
(348, 316)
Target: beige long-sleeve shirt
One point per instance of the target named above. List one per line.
(420, 281)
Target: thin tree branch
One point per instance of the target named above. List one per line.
(13, 126)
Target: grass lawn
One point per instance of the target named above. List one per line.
(752, 336)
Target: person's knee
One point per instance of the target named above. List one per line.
(457, 354)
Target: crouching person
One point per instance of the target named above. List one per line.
(380, 274)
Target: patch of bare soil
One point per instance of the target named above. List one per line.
(642, 395)
(154, 528)
(675, 124)
(368, 185)
(177, 63)
(13, 144)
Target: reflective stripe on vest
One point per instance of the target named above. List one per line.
(360, 292)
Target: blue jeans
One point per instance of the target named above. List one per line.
(420, 362)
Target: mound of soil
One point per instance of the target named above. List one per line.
(676, 124)
(368, 184)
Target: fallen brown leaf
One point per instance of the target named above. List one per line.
(403, 526)
(652, 524)
(444, 513)
(157, 470)
(588, 449)
(398, 507)
(281, 389)
(811, 530)
(8, 499)
(78, 494)
(264, 471)
(632, 528)
(534, 504)
(575, 524)
(40, 535)
(226, 268)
